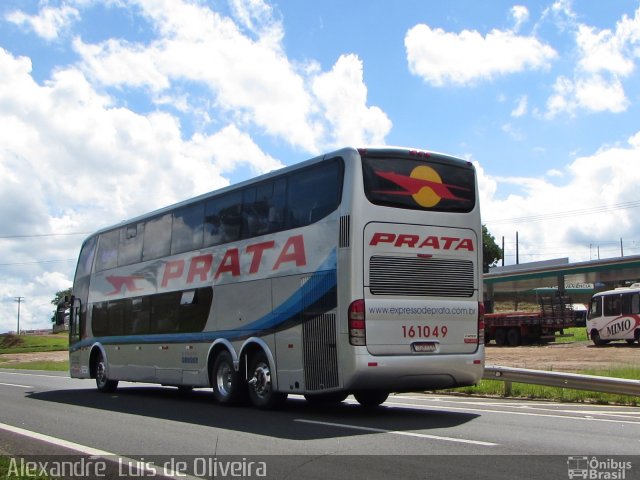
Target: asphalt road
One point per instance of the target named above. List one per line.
(410, 436)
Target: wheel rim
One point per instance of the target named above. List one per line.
(261, 380)
(101, 374)
(223, 380)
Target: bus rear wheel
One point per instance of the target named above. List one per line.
(225, 380)
(371, 398)
(103, 384)
(260, 384)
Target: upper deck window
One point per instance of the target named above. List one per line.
(420, 183)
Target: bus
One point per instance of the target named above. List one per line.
(357, 272)
(615, 315)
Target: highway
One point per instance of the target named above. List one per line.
(410, 436)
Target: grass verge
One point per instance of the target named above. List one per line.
(37, 365)
(496, 388)
(579, 335)
(10, 343)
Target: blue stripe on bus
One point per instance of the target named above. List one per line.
(318, 285)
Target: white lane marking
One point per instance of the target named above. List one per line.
(139, 466)
(615, 411)
(528, 414)
(16, 385)
(397, 432)
(57, 441)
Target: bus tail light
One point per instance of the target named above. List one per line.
(357, 327)
(480, 323)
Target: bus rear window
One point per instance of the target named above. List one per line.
(419, 183)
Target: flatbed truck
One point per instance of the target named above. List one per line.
(516, 328)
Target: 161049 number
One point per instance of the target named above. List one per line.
(424, 331)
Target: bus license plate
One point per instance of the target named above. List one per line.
(424, 347)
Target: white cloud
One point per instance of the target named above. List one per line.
(342, 95)
(592, 93)
(442, 58)
(250, 79)
(49, 23)
(521, 107)
(605, 59)
(596, 186)
(520, 15)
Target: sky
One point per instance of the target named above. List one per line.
(112, 108)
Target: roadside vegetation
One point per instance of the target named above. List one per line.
(10, 343)
(496, 388)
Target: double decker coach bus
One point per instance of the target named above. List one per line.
(356, 272)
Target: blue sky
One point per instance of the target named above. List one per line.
(112, 108)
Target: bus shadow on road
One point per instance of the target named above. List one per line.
(295, 420)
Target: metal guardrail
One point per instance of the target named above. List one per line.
(576, 381)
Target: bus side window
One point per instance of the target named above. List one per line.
(223, 218)
(130, 248)
(187, 229)
(313, 194)
(107, 251)
(157, 238)
(635, 304)
(612, 305)
(627, 308)
(595, 308)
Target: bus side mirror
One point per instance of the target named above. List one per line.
(62, 309)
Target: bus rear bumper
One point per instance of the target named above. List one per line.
(413, 373)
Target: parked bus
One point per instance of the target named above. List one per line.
(356, 272)
(615, 315)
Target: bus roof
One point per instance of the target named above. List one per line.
(370, 150)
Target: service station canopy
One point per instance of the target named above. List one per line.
(591, 276)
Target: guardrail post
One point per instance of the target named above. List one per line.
(507, 388)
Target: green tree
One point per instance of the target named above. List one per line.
(491, 252)
(57, 299)
(60, 296)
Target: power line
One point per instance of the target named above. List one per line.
(568, 213)
(37, 262)
(45, 235)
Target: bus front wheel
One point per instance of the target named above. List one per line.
(103, 383)
(595, 338)
(225, 380)
(261, 392)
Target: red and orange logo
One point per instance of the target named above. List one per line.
(424, 184)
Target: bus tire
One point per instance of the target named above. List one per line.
(225, 380)
(260, 383)
(500, 337)
(103, 384)
(513, 337)
(371, 398)
(326, 398)
(595, 338)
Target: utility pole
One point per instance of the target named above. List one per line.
(19, 301)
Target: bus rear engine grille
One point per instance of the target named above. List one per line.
(421, 276)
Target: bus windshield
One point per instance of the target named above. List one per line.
(419, 183)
